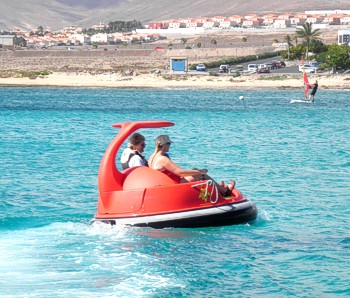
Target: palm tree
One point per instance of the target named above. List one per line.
(307, 34)
(295, 37)
(288, 40)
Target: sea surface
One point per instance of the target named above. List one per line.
(291, 160)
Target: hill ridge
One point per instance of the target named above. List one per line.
(56, 14)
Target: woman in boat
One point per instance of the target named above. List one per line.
(161, 161)
(132, 156)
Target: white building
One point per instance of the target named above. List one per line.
(226, 24)
(345, 20)
(343, 37)
(209, 24)
(82, 38)
(281, 23)
(102, 38)
(100, 26)
(7, 40)
(71, 30)
(174, 25)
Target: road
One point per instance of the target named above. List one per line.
(291, 68)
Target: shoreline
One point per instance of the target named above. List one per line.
(115, 80)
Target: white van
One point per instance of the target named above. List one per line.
(262, 66)
(308, 68)
(252, 67)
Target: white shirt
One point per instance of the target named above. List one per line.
(134, 161)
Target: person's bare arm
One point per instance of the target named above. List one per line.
(174, 168)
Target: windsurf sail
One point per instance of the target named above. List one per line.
(306, 80)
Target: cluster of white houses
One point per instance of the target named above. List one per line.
(271, 20)
(74, 35)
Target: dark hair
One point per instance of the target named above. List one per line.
(135, 139)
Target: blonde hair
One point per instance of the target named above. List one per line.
(156, 150)
(158, 147)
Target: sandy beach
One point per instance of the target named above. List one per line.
(117, 80)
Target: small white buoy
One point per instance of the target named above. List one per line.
(241, 97)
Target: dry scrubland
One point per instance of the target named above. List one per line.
(142, 66)
(144, 58)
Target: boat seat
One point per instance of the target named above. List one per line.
(144, 177)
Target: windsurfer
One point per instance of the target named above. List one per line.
(313, 91)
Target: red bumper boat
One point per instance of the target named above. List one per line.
(144, 197)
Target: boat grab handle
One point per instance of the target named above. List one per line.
(214, 188)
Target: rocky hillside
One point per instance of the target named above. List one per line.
(59, 13)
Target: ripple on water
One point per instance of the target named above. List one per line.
(291, 160)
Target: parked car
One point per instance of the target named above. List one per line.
(314, 63)
(200, 67)
(282, 63)
(277, 64)
(263, 70)
(262, 66)
(308, 68)
(224, 68)
(252, 67)
(269, 65)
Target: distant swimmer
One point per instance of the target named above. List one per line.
(313, 91)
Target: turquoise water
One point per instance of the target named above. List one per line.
(291, 160)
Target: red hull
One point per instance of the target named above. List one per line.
(144, 197)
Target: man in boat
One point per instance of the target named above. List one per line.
(313, 91)
(132, 156)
